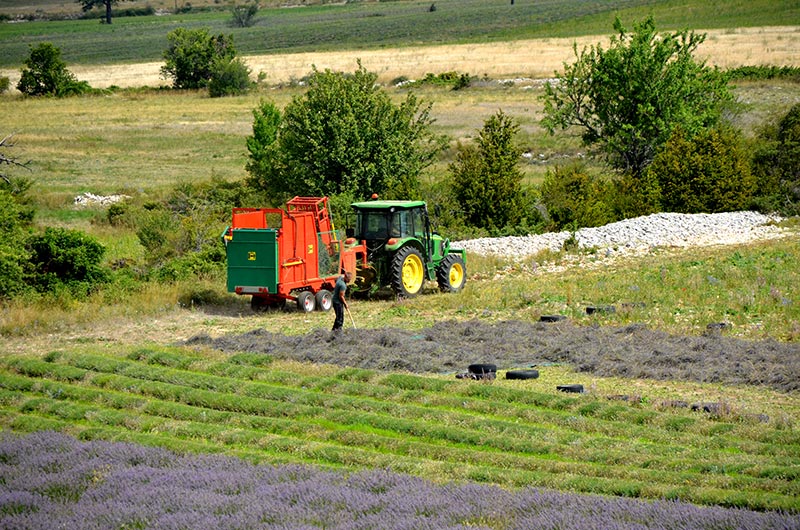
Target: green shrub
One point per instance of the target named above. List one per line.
(634, 197)
(776, 164)
(575, 198)
(486, 177)
(764, 72)
(244, 16)
(5, 84)
(15, 217)
(47, 75)
(708, 172)
(229, 77)
(191, 55)
(63, 259)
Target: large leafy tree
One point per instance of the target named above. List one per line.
(193, 55)
(486, 179)
(344, 135)
(88, 5)
(629, 98)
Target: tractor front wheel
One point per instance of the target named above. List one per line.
(408, 272)
(451, 274)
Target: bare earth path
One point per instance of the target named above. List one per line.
(536, 59)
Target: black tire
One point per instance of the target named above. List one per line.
(522, 374)
(591, 310)
(408, 272)
(306, 301)
(482, 368)
(552, 318)
(572, 389)
(451, 274)
(259, 304)
(324, 300)
(262, 304)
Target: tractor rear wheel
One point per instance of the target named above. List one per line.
(305, 301)
(408, 272)
(451, 274)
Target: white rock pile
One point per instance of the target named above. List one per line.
(640, 234)
(90, 199)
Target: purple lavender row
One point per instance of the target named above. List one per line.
(50, 480)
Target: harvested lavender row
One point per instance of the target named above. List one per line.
(50, 480)
(640, 234)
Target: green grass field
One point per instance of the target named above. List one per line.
(380, 24)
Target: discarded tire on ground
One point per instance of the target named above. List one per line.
(522, 374)
(482, 368)
(573, 389)
(592, 309)
(552, 318)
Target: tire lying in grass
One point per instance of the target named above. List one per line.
(482, 368)
(522, 374)
(552, 318)
(607, 309)
(572, 389)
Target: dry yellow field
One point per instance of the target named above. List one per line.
(537, 59)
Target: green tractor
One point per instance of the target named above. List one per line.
(402, 252)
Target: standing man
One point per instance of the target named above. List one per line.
(339, 303)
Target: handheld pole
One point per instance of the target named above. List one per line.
(351, 317)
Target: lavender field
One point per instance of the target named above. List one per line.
(51, 480)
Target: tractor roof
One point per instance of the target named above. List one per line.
(385, 205)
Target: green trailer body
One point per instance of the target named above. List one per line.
(253, 260)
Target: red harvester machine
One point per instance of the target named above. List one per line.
(288, 254)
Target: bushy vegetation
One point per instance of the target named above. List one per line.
(486, 176)
(776, 163)
(244, 15)
(705, 173)
(66, 259)
(192, 56)
(46, 74)
(628, 99)
(574, 197)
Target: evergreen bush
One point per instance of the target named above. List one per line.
(575, 198)
(705, 173)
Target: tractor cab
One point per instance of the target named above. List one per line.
(402, 251)
(377, 222)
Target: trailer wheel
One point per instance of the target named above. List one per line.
(324, 300)
(451, 274)
(262, 304)
(258, 303)
(306, 301)
(408, 272)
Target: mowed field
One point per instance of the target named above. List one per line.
(530, 58)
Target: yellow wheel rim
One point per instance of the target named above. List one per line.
(412, 273)
(456, 275)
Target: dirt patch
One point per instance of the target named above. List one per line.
(449, 347)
